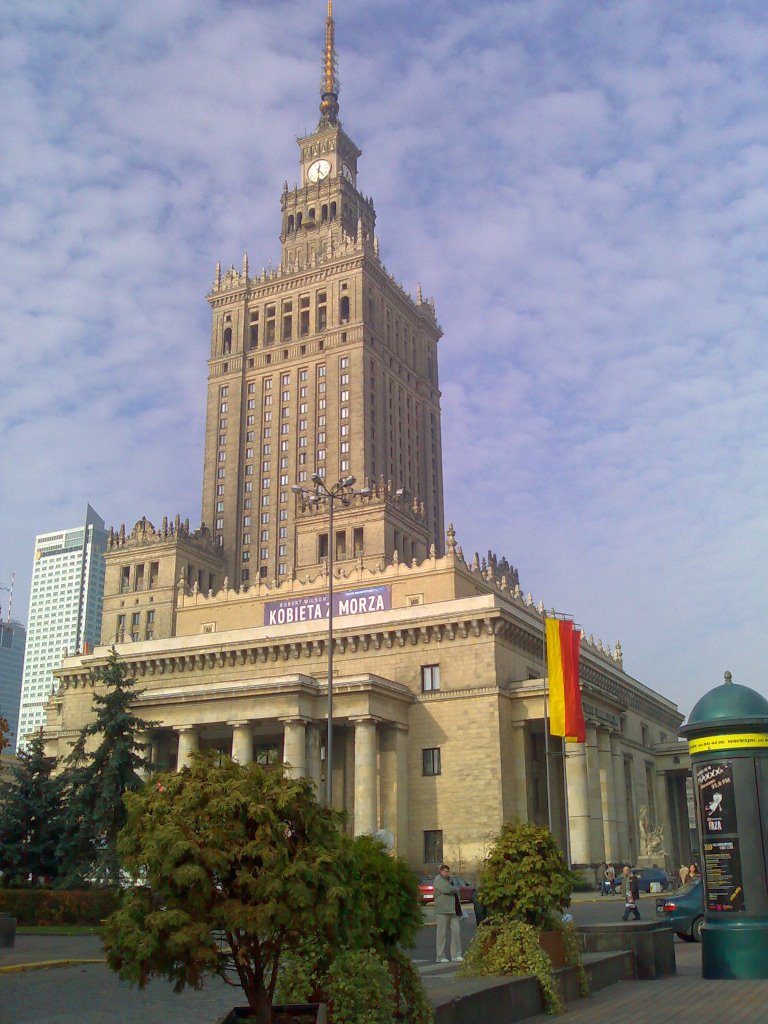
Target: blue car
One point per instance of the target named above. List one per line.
(684, 910)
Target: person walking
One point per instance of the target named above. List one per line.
(609, 877)
(631, 896)
(446, 903)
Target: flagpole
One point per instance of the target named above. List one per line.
(567, 812)
(546, 727)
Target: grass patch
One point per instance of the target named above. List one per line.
(58, 929)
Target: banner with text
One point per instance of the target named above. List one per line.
(362, 601)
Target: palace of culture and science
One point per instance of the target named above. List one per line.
(322, 370)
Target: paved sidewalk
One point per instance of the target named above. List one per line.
(687, 997)
(91, 994)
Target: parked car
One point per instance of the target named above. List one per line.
(427, 889)
(644, 878)
(684, 910)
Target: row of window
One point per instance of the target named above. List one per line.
(133, 630)
(269, 325)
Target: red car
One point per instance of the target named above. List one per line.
(427, 889)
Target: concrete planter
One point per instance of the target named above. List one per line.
(553, 945)
(290, 1013)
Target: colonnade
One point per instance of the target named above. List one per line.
(370, 769)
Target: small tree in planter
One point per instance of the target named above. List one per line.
(525, 876)
(525, 887)
(241, 851)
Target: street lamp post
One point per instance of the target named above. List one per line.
(343, 493)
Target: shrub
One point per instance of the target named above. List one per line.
(507, 946)
(360, 988)
(58, 907)
(525, 876)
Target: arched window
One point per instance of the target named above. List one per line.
(290, 223)
(226, 347)
(324, 213)
(344, 309)
(333, 211)
(298, 221)
(311, 213)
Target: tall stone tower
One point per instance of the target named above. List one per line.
(323, 366)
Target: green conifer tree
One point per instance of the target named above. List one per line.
(30, 818)
(97, 778)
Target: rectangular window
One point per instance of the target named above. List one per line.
(430, 761)
(430, 677)
(358, 541)
(264, 554)
(433, 846)
(322, 546)
(322, 315)
(246, 538)
(341, 544)
(154, 572)
(125, 579)
(270, 325)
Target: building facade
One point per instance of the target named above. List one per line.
(326, 368)
(13, 639)
(64, 609)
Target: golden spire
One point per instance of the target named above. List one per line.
(329, 103)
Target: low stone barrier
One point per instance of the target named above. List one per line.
(651, 943)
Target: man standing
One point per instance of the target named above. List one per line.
(608, 880)
(631, 895)
(446, 899)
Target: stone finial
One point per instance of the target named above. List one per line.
(618, 654)
(182, 582)
(226, 584)
(217, 278)
(540, 607)
(376, 245)
(419, 297)
(460, 552)
(517, 591)
(529, 599)
(245, 265)
(476, 562)
(122, 533)
(395, 557)
(432, 551)
(451, 538)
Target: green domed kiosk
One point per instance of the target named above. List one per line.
(727, 734)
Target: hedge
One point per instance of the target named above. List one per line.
(52, 907)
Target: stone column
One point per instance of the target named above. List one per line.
(607, 795)
(664, 818)
(578, 802)
(622, 825)
(189, 742)
(314, 764)
(519, 772)
(365, 810)
(242, 742)
(295, 746)
(394, 784)
(596, 838)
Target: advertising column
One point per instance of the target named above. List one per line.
(728, 740)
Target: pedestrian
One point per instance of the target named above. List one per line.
(631, 897)
(693, 872)
(447, 914)
(609, 877)
(683, 872)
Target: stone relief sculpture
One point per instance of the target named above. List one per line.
(651, 836)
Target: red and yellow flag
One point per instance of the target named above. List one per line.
(566, 717)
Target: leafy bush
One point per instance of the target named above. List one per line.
(411, 999)
(525, 876)
(508, 946)
(360, 988)
(57, 907)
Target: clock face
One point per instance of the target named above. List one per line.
(347, 174)
(319, 170)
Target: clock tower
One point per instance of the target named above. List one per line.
(323, 366)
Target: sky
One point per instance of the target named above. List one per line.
(582, 187)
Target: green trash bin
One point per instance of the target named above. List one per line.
(727, 735)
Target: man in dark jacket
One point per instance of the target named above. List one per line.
(631, 897)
